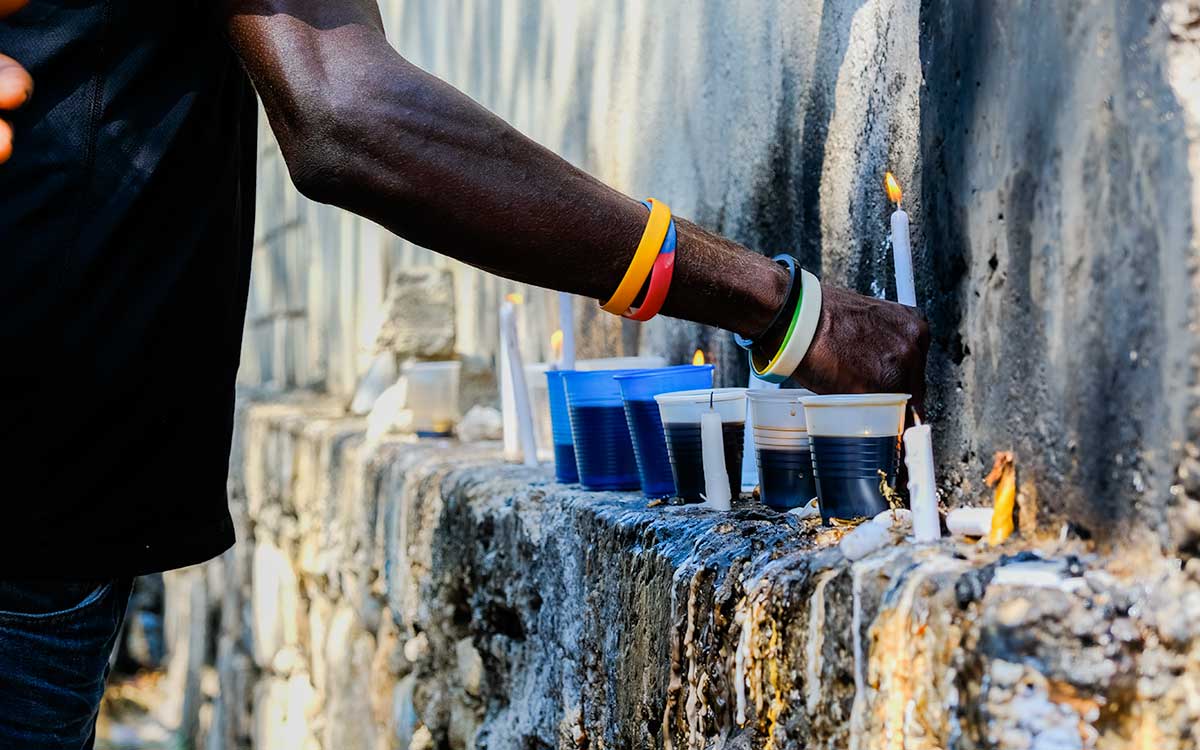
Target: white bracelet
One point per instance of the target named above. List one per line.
(799, 336)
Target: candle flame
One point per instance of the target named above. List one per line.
(698, 357)
(895, 194)
(516, 298)
(556, 343)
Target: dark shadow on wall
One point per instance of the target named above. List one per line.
(1048, 312)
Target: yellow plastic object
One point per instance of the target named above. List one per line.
(643, 260)
(1004, 478)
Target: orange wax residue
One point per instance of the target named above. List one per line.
(895, 194)
(698, 357)
(1004, 478)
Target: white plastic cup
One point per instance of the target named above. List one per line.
(781, 448)
(856, 415)
(680, 412)
(779, 415)
(855, 442)
(686, 406)
(433, 396)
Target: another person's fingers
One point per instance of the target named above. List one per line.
(16, 85)
(5, 141)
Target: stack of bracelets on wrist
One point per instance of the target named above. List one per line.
(801, 311)
(654, 258)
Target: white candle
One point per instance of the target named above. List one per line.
(716, 474)
(566, 321)
(508, 399)
(520, 390)
(906, 292)
(922, 487)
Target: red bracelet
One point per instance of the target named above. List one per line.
(660, 284)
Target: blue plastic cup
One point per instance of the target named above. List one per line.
(603, 447)
(638, 390)
(560, 428)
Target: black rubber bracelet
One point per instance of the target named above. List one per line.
(789, 301)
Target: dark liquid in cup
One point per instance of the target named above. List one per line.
(603, 449)
(687, 458)
(564, 463)
(847, 473)
(785, 478)
(650, 448)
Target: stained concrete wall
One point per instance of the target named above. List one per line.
(1050, 151)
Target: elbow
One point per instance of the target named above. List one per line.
(321, 134)
(315, 146)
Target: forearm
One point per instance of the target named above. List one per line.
(365, 130)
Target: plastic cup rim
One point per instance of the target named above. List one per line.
(659, 371)
(700, 395)
(853, 400)
(782, 395)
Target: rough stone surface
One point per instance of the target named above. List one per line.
(419, 314)
(497, 609)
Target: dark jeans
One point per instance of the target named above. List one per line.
(55, 641)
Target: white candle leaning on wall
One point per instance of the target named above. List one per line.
(566, 318)
(922, 486)
(508, 401)
(516, 373)
(906, 292)
(716, 473)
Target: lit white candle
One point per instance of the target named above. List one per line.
(922, 487)
(906, 292)
(566, 321)
(522, 410)
(716, 474)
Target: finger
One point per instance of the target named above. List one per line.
(11, 6)
(5, 141)
(16, 86)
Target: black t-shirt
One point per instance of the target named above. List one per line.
(126, 229)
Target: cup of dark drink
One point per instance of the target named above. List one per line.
(680, 412)
(855, 443)
(781, 446)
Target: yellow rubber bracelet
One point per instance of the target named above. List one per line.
(643, 260)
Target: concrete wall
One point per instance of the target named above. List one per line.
(410, 595)
(1050, 152)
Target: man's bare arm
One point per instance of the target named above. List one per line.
(362, 128)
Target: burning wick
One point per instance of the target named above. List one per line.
(906, 293)
(698, 357)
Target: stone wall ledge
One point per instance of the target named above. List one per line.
(424, 594)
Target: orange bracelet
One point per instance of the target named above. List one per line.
(643, 259)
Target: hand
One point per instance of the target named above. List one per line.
(866, 345)
(15, 84)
